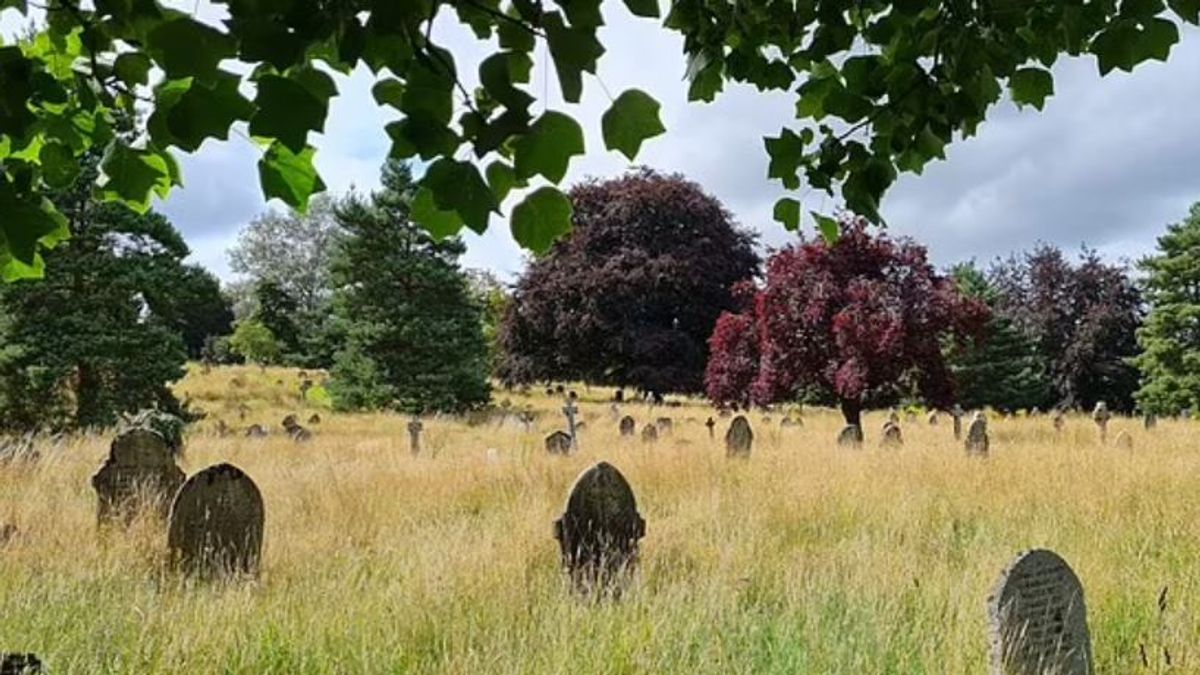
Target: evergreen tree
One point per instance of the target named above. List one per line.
(84, 344)
(1003, 370)
(413, 334)
(1170, 338)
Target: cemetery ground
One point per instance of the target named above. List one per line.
(803, 558)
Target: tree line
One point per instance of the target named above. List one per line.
(656, 290)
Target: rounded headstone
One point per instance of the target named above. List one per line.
(600, 527)
(665, 426)
(892, 437)
(1037, 618)
(649, 433)
(139, 468)
(739, 438)
(558, 443)
(1123, 441)
(628, 426)
(216, 523)
(256, 431)
(850, 436)
(977, 437)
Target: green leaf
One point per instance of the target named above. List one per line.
(632, 119)
(421, 136)
(1188, 10)
(786, 152)
(1155, 40)
(289, 176)
(829, 228)
(429, 92)
(1031, 86)
(646, 8)
(548, 147)
(132, 175)
(787, 211)
(26, 221)
(184, 47)
(457, 186)
(132, 68)
(1114, 48)
(388, 91)
(499, 71)
(440, 224)
(501, 178)
(189, 111)
(59, 166)
(539, 220)
(287, 111)
(574, 50)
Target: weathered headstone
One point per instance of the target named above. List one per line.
(666, 426)
(256, 431)
(628, 426)
(957, 413)
(20, 664)
(619, 396)
(415, 427)
(711, 424)
(526, 418)
(1037, 618)
(893, 416)
(1123, 441)
(599, 530)
(223, 429)
(649, 434)
(739, 438)
(570, 410)
(892, 437)
(139, 472)
(216, 524)
(289, 422)
(1149, 421)
(1100, 416)
(933, 418)
(8, 532)
(314, 419)
(977, 436)
(851, 436)
(558, 443)
(614, 411)
(1059, 420)
(789, 422)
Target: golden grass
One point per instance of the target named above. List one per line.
(805, 559)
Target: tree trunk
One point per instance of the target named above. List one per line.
(852, 411)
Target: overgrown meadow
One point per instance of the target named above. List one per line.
(806, 558)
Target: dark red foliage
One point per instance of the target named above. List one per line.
(854, 322)
(733, 360)
(631, 295)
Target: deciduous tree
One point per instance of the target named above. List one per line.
(630, 297)
(859, 322)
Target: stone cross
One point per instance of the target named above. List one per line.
(599, 530)
(571, 410)
(977, 436)
(1037, 618)
(711, 424)
(415, 427)
(1101, 416)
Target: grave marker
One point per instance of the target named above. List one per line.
(571, 410)
(599, 530)
(628, 426)
(739, 438)
(415, 427)
(216, 524)
(666, 426)
(1149, 421)
(977, 436)
(711, 424)
(139, 467)
(649, 434)
(1037, 618)
(1123, 441)
(1059, 420)
(851, 436)
(1101, 416)
(892, 437)
(558, 443)
(933, 418)
(957, 414)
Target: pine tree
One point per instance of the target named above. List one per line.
(1004, 369)
(413, 334)
(1170, 338)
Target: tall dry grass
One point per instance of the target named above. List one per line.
(805, 559)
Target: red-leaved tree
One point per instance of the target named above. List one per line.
(858, 322)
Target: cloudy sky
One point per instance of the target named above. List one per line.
(1109, 161)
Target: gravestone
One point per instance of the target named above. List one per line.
(649, 433)
(289, 423)
(892, 437)
(977, 436)
(1101, 416)
(665, 426)
(957, 414)
(724, 412)
(526, 419)
(619, 396)
(1123, 441)
(558, 443)
(1059, 419)
(628, 426)
(571, 410)
(893, 416)
(8, 532)
(789, 422)
(20, 664)
(223, 429)
(139, 467)
(1149, 421)
(614, 411)
(1037, 618)
(851, 436)
(300, 435)
(415, 427)
(216, 524)
(599, 530)
(933, 418)
(711, 424)
(256, 431)
(314, 419)
(739, 438)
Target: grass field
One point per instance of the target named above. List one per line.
(805, 559)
